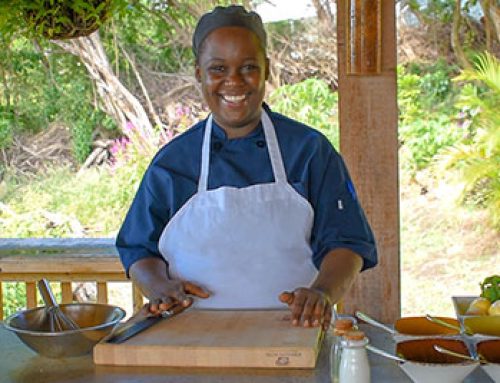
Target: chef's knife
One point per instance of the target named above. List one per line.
(128, 330)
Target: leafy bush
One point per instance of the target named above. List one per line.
(14, 297)
(476, 159)
(6, 130)
(38, 90)
(409, 105)
(91, 203)
(427, 121)
(311, 102)
(426, 137)
(435, 83)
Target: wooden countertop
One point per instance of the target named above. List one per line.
(18, 364)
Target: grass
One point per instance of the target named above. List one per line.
(60, 203)
(446, 250)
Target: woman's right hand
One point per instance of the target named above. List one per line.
(150, 276)
(172, 292)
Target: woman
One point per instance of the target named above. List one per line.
(247, 209)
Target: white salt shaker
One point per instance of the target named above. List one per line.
(354, 365)
(341, 327)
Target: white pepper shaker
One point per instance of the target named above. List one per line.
(354, 364)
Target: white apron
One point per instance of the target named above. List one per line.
(243, 245)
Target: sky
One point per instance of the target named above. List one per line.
(285, 10)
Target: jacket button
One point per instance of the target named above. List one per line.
(261, 143)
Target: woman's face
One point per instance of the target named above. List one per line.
(232, 69)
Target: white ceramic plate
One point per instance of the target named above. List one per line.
(437, 373)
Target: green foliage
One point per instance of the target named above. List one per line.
(426, 113)
(311, 102)
(56, 19)
(92, 203)
(144, 32)
(6, 130)
(38, 92)
(14, 297)
(434, 83)
(441, 10)
(59, 204)
(424, 138)
(476, 159)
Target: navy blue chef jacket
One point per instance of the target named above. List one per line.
(312, 165)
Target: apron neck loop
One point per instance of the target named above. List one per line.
(273, 148)
(272, 145)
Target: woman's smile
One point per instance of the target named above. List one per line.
(234, 99)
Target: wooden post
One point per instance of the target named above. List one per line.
(66, 292)
(30, 295)
(366, 33)
(102, 292)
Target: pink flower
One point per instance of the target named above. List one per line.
(129, 127)
(178, 111)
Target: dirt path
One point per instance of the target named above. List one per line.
(445, 250)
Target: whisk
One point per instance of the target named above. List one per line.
(58, 321)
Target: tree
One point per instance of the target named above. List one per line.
(475, 25)
(117, 100)
(477, 159)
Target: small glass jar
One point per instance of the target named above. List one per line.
(354, 364)
(340, 327)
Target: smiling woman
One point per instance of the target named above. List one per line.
(232, 69)
(247, 209)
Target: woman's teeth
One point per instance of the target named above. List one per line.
(234, 98)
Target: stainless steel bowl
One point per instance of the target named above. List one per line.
(95, 322)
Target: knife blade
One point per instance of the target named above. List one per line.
(128, 330)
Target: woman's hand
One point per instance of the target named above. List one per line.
(151, 277)
(309, 306)
(172, 292)
(313, 306)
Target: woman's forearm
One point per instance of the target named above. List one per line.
(337, 272)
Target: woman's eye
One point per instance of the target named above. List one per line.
(250, 67)
(216, 69)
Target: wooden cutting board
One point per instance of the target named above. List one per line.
(205, 338)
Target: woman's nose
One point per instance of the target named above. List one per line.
(234, 78)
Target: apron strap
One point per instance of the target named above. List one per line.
(274, 149)
(272, 145)
(205, 156)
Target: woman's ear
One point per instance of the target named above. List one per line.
(267, 68)
(197, 73)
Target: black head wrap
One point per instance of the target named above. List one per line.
(232, 16)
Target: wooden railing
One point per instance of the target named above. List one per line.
(64, 261)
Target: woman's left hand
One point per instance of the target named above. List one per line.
(310, 307)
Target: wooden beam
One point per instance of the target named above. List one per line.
(63, 277)
(366, 33)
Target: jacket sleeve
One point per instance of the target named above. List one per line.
(339, 220)
(140, 232)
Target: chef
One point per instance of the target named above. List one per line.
(248, 209)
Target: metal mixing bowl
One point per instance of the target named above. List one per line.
(95, 322)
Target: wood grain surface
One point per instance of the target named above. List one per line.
(211, 338)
